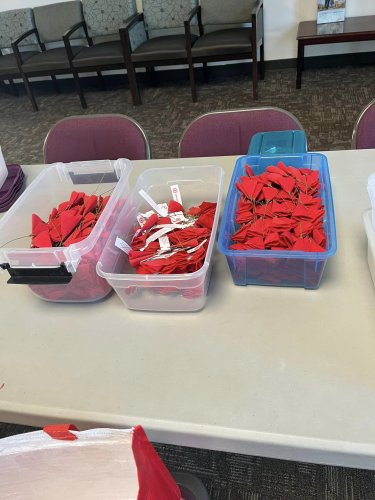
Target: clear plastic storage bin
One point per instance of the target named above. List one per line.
(63, 274)
(278, 267)
(370, 231)
(172, 292)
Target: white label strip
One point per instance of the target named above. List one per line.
(164, 243)
(122, 245)
(160, 209)
(157, 235)
(177, 217)
(176, 193)
(192, 250)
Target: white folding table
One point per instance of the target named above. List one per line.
(279, 372)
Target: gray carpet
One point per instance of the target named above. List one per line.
(327, 106)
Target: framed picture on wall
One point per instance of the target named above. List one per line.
(331, 11)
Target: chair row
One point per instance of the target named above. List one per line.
(222, 133)
(72, 37)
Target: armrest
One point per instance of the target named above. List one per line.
(131, 21)
(258, 5)
(196, 11)
(125, 34)
(69, 33)
(257, 22)
(25, 35)
(16, 49)
(74, 28)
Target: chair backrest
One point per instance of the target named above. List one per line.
(364, 129)
(96, 137)
(226, 133)
(161, 14)
(226, 11)
(53, 20)
(106, 17)
(13, 23)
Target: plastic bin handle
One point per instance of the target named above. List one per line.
(38, 275)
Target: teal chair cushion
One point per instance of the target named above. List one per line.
(160, 14)
(106, 17)
(13, 23)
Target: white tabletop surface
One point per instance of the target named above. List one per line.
(279, 372)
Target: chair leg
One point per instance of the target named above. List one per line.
(205, 72)
(55, 84)
(101, 80)
(151, 76)
(255, 72)
(192, 81)
(13, 88)
(132, 78)
(262, 64)
(29, 92)
(79, 89)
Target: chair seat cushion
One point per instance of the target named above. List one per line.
(162, 47)
(100, 54)
(222, 42)
(8, 63)
(51, 59)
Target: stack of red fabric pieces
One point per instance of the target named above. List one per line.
(182, 244)
(71, 222)
(280, 209)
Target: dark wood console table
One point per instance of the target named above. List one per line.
(353, 29)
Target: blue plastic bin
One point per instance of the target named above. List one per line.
(278, 143)
(278, 267)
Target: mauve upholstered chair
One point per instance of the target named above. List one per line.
(13, 23)
(364, 129)
(96, 137)
(226, 34)
(226, 133)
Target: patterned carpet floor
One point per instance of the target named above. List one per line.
(327, 106)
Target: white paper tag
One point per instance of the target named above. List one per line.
(177, 217)
(192, 250)
(176, 193)
(164, 243)
(157, 235)
(122, 245)
(160, 209)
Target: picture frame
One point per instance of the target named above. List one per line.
(330, 11)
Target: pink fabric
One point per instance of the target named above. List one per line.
(365, 138)
(223, 134)
(94, 138)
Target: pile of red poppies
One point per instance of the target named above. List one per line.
(71, 222)
(280, 210)
(174, 243)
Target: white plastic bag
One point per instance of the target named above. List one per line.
(98, 464)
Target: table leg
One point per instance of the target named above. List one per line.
(300, 56)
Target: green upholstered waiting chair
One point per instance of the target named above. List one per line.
(13, 23)
(102, 19)
(162, 49)
(220, 40)
(51, 22)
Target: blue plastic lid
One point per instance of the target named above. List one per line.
(277, 143)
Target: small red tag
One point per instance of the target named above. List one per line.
(61, 431)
